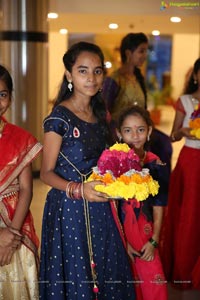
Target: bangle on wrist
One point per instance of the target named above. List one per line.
(153, 243)
(73, 190)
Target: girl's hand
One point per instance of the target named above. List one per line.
(90, 194)
(8, 238)
(186, 133)
(6, 254)
(148, 252)
(132, 252)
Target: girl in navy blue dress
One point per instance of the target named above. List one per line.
(82, 253)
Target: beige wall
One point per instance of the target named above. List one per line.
(57, 47)
(185, 50)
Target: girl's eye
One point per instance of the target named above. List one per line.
(99, 71)
(126, 130)
(141, 130)
(3, 94)
(82, 71)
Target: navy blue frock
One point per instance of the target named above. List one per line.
(65, 266)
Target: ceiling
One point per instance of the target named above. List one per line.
(89, 16)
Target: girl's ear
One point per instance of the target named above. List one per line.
(68, 75)
(149, 133)
(128, 55)
(119, 135)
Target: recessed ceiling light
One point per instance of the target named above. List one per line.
(52, 15)
(175, 19)
(113, 26)
(155, 32)
(63, 31)
(108, 64)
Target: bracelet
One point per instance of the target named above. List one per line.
(73, 190)
(153, 243)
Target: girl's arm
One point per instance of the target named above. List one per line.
(149, 247)
(177, 130)
(25, 197)
(7, 248)
(51, 147)
(157, 217)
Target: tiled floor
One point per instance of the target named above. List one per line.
(40, 191)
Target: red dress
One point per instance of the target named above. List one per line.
(180, 250)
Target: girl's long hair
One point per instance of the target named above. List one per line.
(64, 93)
(192, 86)
(131, 42)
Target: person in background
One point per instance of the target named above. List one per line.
(181, 245)
(126, 86)
(142, 220)
(82, 253)
(18, 241)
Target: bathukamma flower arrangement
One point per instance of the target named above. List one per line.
(194, 122)
(119, 169)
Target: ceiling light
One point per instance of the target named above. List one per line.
(52, 15)
(108, 64)
(113, 26)
(63, 31)
(155, 32)
(175, 19)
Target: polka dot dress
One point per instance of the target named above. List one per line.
(65, 272)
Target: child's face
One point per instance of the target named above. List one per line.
(134, 131)
(4, 98)
(87, 74)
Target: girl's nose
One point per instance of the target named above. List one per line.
(90, 77)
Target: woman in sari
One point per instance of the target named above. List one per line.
(18, 240)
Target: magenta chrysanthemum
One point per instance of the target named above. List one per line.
(118, 162)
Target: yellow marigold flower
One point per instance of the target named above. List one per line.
(120, 147)
(196, 132)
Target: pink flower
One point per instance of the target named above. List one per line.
(118, 162)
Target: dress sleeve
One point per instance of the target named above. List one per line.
(109, 92)
(179, 106)
(56, 123)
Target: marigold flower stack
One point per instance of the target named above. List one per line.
(119, 169)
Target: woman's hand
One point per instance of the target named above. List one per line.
(186, 132)
(90, 194)
(9, 238)
(132, 253)
(6, 254)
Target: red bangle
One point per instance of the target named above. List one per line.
(74, 190)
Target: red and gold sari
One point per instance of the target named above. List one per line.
(18, 148)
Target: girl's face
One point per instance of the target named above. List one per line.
(87, 74)
(4, 98)
(134, 131)
(139, 55)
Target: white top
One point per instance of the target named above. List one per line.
(189, 104)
